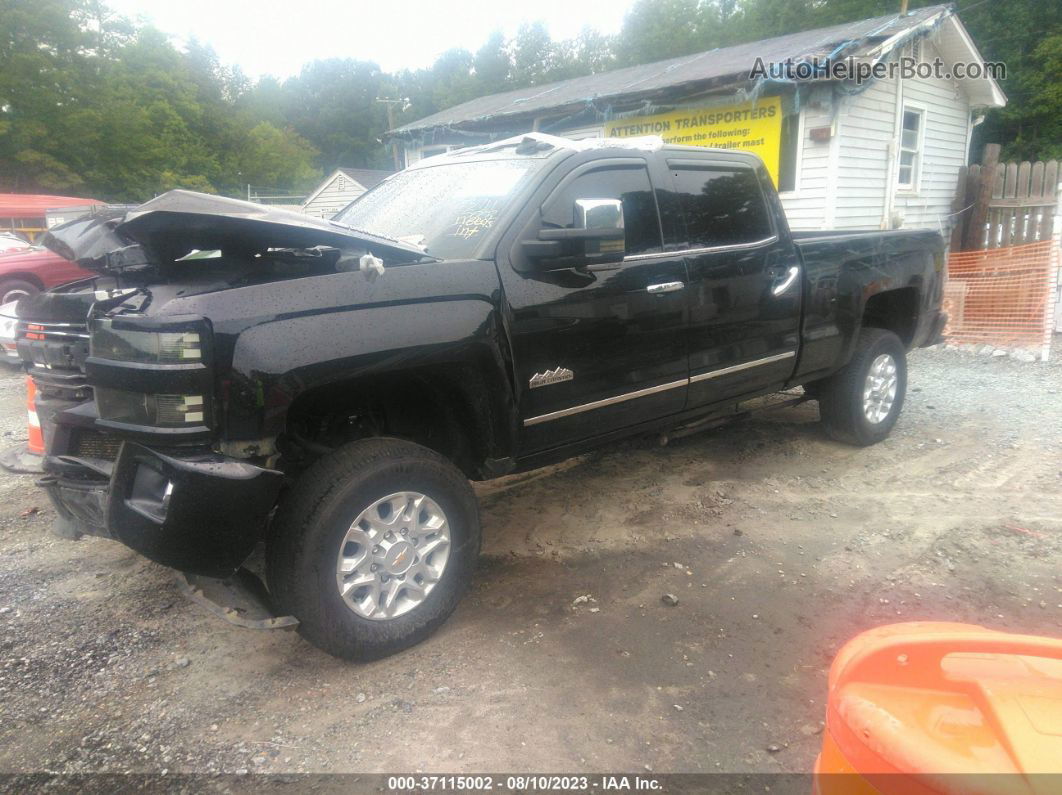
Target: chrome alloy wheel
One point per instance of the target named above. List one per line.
(393, 555)
(879, 390)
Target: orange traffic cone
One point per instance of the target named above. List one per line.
(27, 458)
(35, 440)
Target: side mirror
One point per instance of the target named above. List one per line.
(597, 237)
(599, 214)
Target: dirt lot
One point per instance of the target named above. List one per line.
(778, 543)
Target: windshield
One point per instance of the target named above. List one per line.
(445, 209)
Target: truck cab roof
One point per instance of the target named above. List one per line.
(536, 145)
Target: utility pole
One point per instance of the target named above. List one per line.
(390, 103)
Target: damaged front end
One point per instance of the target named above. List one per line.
(131, 391)
(149, 239)
(200, 514)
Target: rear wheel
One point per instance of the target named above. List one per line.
(374, 547)
(861, 403)
(14, 289)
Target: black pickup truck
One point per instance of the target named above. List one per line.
(238, 374)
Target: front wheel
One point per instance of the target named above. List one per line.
(861, 403)
(14, 289)
(374, 547)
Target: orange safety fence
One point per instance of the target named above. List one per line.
(1002, 296)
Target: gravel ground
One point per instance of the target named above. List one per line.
(776, 544)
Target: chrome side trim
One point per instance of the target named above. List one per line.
(697, 251)
(732, 247)
(743, 366)
(597, 404)
(654, 255)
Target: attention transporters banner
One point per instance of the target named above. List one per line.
(753, 126)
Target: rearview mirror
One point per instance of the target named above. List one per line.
(596, 237)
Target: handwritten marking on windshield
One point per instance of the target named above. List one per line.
(468, 225)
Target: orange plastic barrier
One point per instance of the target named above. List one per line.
(943, 708)
(1001, 296)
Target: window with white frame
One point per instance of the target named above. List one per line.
(910, 147)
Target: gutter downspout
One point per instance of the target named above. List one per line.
(894, 156)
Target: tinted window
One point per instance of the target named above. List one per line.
(722, 206)
(629, 185)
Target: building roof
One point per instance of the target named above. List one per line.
(366, 177)
(34, 205)
(868, 38)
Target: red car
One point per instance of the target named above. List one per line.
(24, 273)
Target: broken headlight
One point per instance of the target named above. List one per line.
(158, 411)
(144, 347)
(152, 374)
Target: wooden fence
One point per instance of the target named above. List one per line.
(1003, 268)
(1004, 204)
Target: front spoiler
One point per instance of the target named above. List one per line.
(198, 515)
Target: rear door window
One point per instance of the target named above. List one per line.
(629, 184)
(722, 205)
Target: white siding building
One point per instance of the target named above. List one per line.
(881, 154)
(340, 189)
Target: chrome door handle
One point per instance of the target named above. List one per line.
(664, 287)
(787, 282)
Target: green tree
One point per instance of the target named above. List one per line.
(532, 55)
(491, 65)
(277, 158)
(657, 29)
(332, 104)
(43, 74)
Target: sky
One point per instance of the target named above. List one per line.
(277, 38)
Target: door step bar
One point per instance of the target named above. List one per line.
(743, 410)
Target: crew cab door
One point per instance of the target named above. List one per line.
(596, 347)
(745, 288)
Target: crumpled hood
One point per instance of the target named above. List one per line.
(171, 225)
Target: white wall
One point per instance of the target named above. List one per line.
(805, 207)
(865, 171)
(415, 155)
(337, 194)
(867, 127)
(944, 148)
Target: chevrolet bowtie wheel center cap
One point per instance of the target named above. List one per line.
(392, 555)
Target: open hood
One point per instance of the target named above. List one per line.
(169, 226)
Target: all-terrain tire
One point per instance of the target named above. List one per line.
(841, 396)
(310, 526)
